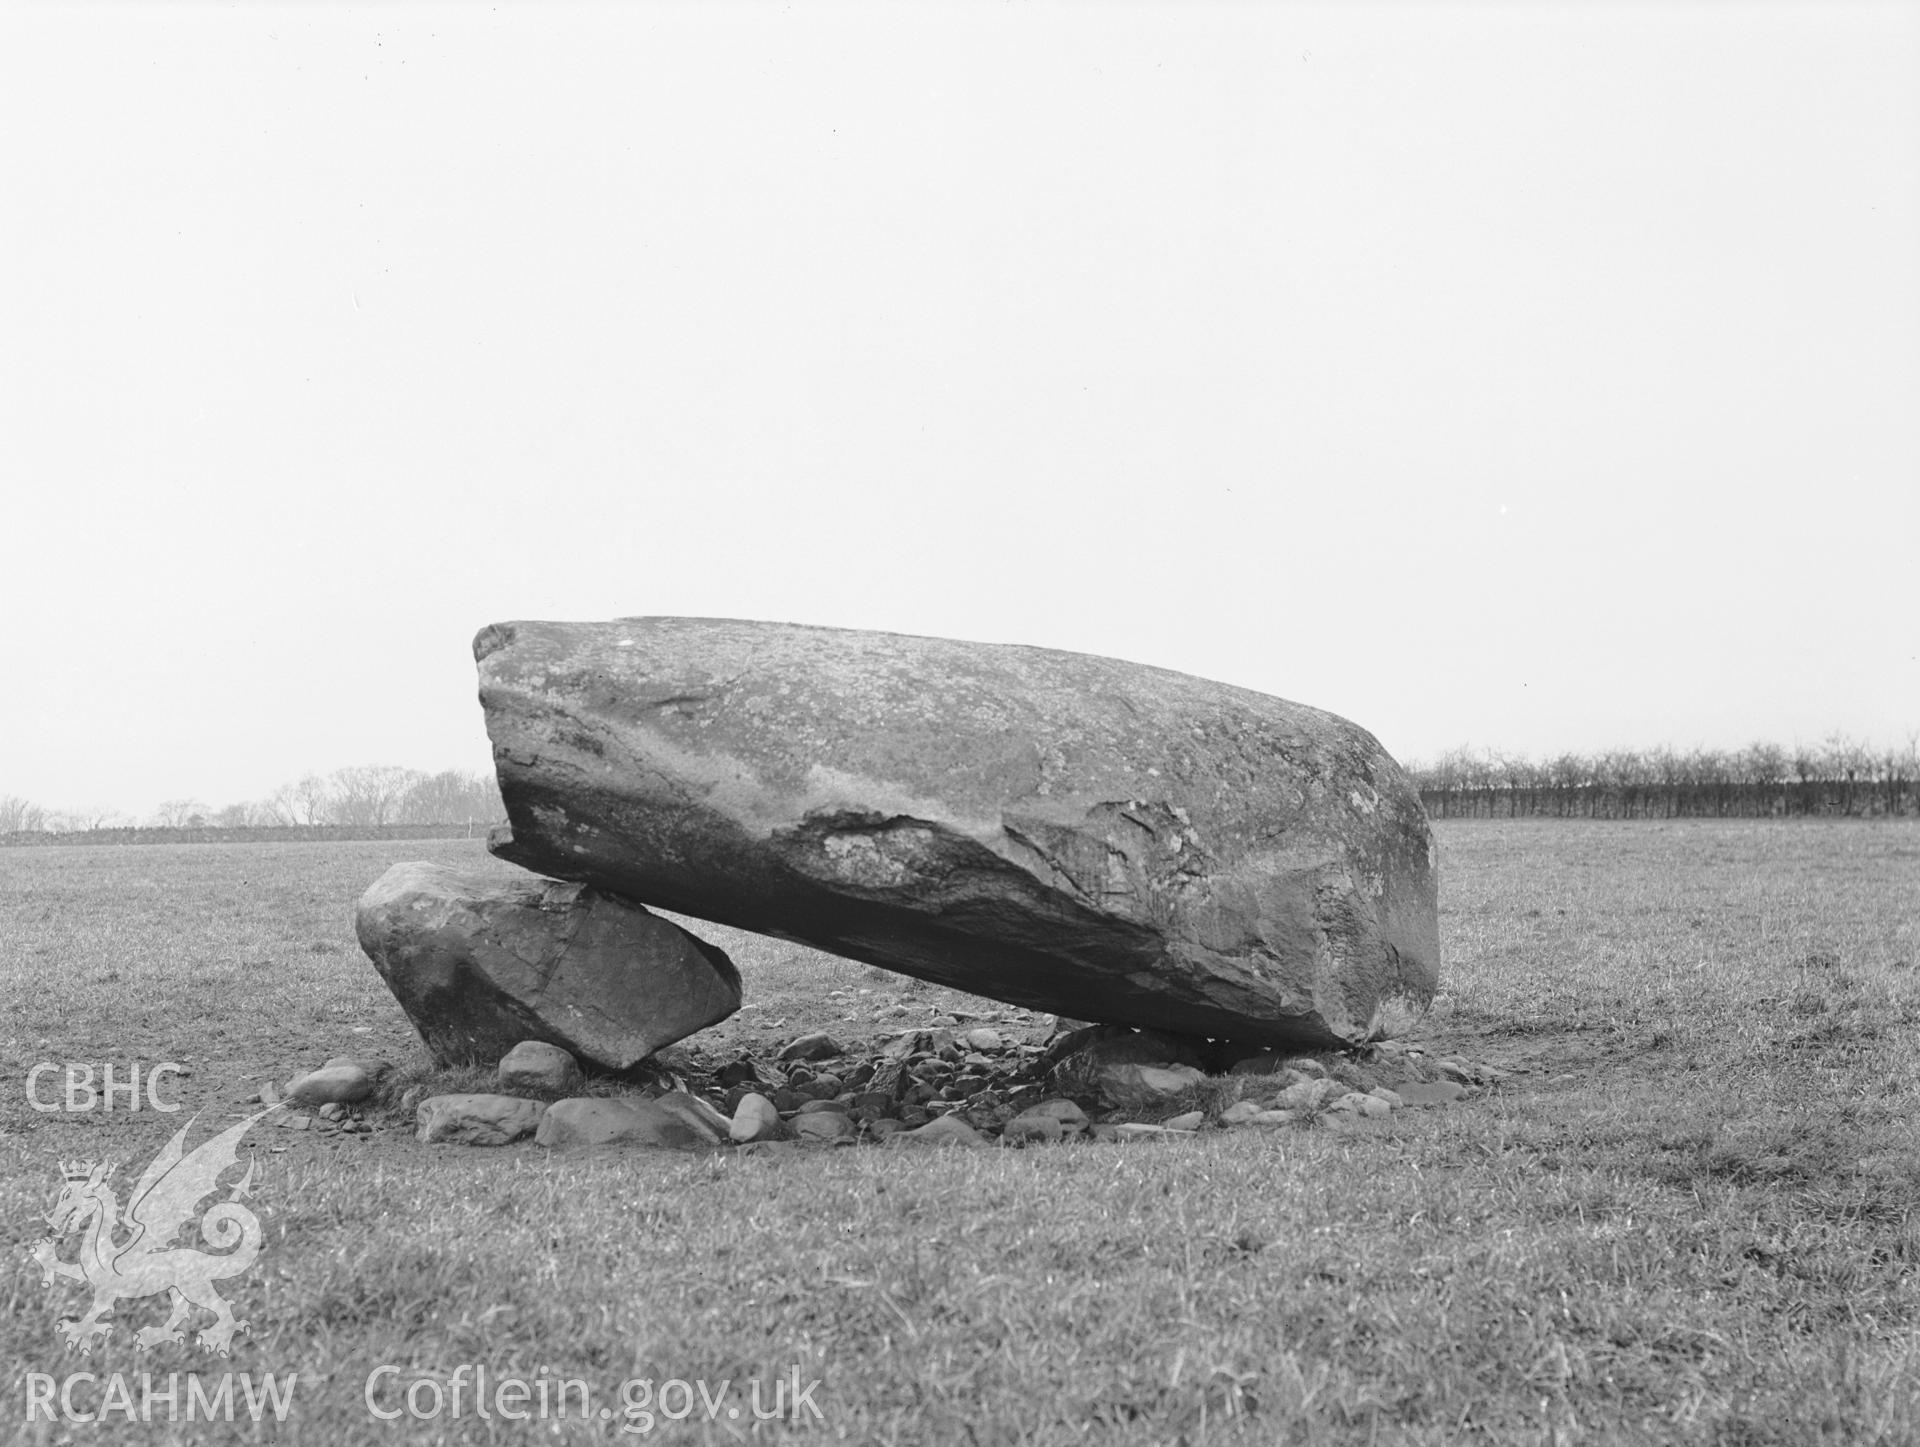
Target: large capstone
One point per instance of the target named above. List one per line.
(481, 963)
(1075, 834)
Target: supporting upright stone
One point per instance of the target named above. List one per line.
(481, 963)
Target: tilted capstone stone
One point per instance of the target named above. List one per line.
(1099, 839)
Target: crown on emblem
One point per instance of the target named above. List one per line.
(77, 1170)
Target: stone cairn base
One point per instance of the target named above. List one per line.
(1023, 1081)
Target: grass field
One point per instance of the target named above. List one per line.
(1691, 1219)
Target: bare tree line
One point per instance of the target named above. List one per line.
(363, 796)
(1839, 777)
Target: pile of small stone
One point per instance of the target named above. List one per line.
(334, 1092)
(950, 1086)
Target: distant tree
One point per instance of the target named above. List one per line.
(369, 794)
(1846, 759)
(1706, 771)
(1450, 770)
(1626, 775)
(1765, 764)
(1477, 779)
(18, 816)
(1903, 773)
(1840, 774)
(255, 814)
(1804, 760)
(178, 814)
(1763, 768)
(452, 797)
(482, 803)
(1569, 773)
(1667, 769)
(82, 819)
(1507, 773)
(304, 801)
(1449, 775)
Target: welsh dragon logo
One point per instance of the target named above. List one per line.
(147, 1262)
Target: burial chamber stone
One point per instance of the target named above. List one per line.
(482, 964)
(1101, 839)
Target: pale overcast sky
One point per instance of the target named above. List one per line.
(1533, 376)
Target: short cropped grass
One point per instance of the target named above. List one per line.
(1689, 1216)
